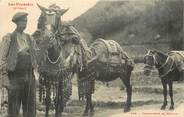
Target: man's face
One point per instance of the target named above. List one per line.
(22, 23)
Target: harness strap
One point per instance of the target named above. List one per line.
(162, 64)
(170, 69)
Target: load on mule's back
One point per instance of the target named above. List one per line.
(109, 51)
(178, 57)
(110, 56)
(59, 51)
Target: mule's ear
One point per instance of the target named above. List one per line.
(147, 50)
(43, 9)
(63, 11)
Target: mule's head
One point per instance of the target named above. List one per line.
(149, 61)
(154, 58)
(51, 16)
(49, 24)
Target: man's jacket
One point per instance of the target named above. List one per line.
(9, 50)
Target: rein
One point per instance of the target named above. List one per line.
(53, 62)
(52, 38)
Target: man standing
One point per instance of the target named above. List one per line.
(19, 54)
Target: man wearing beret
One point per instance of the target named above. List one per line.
(19, 54)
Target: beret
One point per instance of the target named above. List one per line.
(18, 16)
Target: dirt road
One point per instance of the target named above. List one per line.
(109, 101)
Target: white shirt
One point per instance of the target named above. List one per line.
(22, 42)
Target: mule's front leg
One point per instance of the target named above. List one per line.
(164, 84)
(91, 106)
(171, 95)
(47, 101)
(59, 101)
(86, 111)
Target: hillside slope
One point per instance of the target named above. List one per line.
(135, 23)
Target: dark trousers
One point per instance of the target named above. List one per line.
(22, 91)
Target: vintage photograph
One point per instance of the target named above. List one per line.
(92, 58)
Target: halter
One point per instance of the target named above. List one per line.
(149, 56)
(52, 36)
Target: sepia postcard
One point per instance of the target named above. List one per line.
(94, 58)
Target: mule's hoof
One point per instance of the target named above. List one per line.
(85, 114)
(127, 109)
(171, 108)
(163, 107)
(91, 113)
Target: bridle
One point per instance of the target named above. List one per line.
(52, 38)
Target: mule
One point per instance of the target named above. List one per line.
(106, 61)
(169, 69)
(58, 43)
